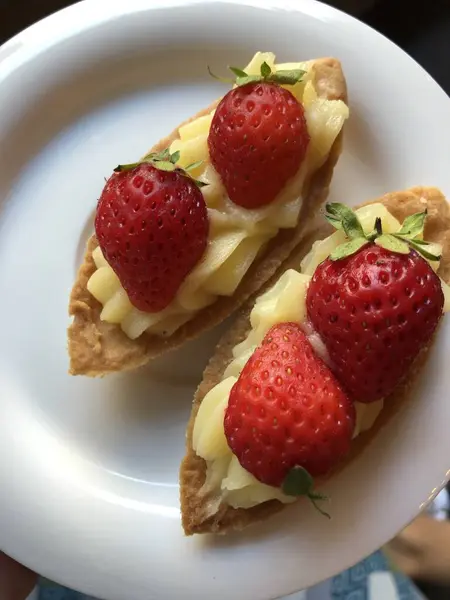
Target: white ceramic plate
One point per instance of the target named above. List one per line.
(88, 470)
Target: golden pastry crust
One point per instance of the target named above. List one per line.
(194, 503)
(97, 348)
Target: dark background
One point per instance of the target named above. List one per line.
(421, 27)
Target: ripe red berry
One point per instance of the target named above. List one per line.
(374, 310)
(152, 227)
(288, 410)
(257, 142)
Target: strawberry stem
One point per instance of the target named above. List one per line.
(409, 235)
(165, 161)
(282, 77)
(377, 230)
(378, 226)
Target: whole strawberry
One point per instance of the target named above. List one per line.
(375, 307)
(152, 227)
(287, 414)
(258, 137)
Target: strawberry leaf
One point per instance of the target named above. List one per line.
(348, 248)
(352, 226)
(425, 250)
(265, 70)
(175, 157)
(298, 482)
(392, 243)
(347, 218)
(222, 79)
(337, 223)
(165, 165)
(126, 167)
(242, 78)
(238, 72)
(193, 165)
(165, 161)
(199, 184)
(248, 79)
(156, 156)
(343, 217)
(433, 247)
(333, 214)
(285, 77)
(413, 225)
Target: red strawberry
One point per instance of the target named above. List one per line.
(287, 410)
(152, 226)
(375, 310)
(258, 139)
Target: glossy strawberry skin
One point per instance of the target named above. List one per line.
(287, 409)
(152, 227)
(257, 142)
(375, 311)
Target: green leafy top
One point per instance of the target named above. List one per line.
(165, 161)
(282, 77)
(298, 482)
(409, 235)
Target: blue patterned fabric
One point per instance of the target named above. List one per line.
(353, 584)
(52, 591)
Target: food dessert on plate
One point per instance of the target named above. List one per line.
(185, 235)
(325, 356)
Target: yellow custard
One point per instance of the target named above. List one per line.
(236, 235)
(284, 302)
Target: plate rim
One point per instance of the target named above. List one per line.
(71, 21)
